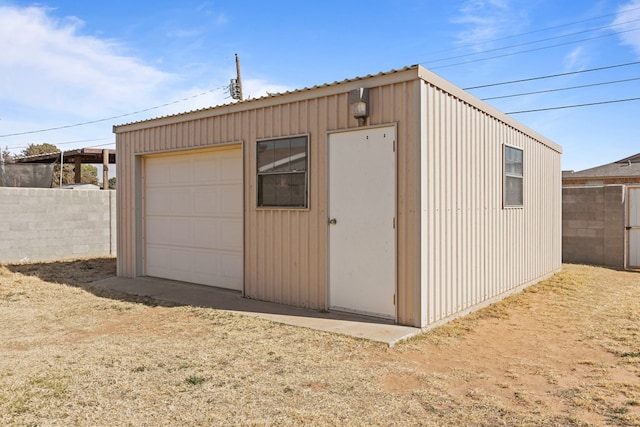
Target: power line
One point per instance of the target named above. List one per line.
(552, 75)
(101, 145)
(68, 142)
(574, 106)
(535, 31)
(534, 42)
(560, 89)
(534, 50)
(111, 118)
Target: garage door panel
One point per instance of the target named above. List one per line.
(207, 233)
(156, 173)
(224, 268)
(180, 261)
(157, 201)
(231, 234)
(206, 170)
(181, 200)
(157, 257)
(178, 232)
(193, 218)
(169, 231)
(155, 230)
(206, 263)
(231, 201)
(207, 200)
(218, 200)
(169, 263)
(181, 170)
(231, 169)
(219, 234)
(231, 264)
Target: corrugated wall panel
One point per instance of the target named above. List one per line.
(478, 251)
(285, 250)
(126, 209)
(400, 104)
(456, 247)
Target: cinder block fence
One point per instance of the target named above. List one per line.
(593, 225)
(43, 224)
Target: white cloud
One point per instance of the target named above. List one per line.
(626, 14)
(576, 59)
(484, 20)
(256, 88)
(47, 64)
(52, 75)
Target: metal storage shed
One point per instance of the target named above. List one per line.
(396, 195)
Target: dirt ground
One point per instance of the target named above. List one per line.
(565, 352)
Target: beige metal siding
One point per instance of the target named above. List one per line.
(475, 250)
(285, 250)
(456, 247)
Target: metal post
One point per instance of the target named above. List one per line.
(105, 169)
(61, 166)
(78, 171)
(239, 78)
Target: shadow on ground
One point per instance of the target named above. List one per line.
(98, 276)
(81, 273)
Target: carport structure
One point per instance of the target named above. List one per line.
(78, 157)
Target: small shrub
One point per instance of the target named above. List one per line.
(194, 380)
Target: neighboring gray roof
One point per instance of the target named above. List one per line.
(629, 166)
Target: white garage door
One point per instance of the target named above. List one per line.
(193, 217)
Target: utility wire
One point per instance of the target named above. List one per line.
(574, 106)
(534, 50)
(552, 75)
(111, 118)
(535, 31)
(426, 62)
(68, 142)
(560, 89)
(532, 42)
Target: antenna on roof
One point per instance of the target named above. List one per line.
(235, 87)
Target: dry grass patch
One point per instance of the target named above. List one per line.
(564, 352)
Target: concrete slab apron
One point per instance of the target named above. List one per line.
(208, 297)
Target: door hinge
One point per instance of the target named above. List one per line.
(394, 222)
(394, 299)
(394, 146)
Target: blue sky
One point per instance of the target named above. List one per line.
(68, 62)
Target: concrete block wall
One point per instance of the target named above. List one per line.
(44, 224)
(593, 225)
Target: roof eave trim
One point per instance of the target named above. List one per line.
(381, 79)
(437, 81)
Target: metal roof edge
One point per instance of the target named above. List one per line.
(393, 76)
(443, 84)
(67, 153)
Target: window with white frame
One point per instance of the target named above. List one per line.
(282, 172)
(513, 188)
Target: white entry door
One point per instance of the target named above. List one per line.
(362, 209)
(633, 227)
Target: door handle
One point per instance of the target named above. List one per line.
(333, 221)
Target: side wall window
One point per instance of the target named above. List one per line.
(513, 188)
(282, 172)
